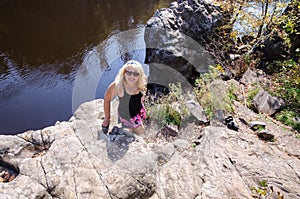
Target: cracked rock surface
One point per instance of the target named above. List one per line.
(68, 161)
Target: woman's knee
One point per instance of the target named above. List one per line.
(139, 130)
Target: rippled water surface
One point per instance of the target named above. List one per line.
(43, 44)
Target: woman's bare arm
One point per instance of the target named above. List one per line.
(108, 96)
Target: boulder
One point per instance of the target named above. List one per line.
(263, 102)
(274, 48)
(256, 125)
(173, 36)
(197, 112)
(253, 77)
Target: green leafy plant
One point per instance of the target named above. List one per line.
(276, 20)
(263, 183)
(172, 116)
(288, 117)
(258, 128)
(203, 94)
(193, 144)
(231, 96)
(261, 190)
(287, 83)
(170, 109)
(251, 94)
(213, 93)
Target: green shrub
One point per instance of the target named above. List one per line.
(288, 117)
(287, 83)
(251, 94)
(208, 95)
(170, 109)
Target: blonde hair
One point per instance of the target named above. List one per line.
(120, 78)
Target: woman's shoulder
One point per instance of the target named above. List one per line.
(111, 89)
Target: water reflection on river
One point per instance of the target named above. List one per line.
(42, 46)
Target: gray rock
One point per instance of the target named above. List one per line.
(197, 111)
(254, 76)
(168, 132)
(254, 125)
(263, 102)
(180, 144)
(217, 168)
(172, 36)
(76, 165)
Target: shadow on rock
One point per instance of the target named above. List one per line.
(117, 142)
(7, 172)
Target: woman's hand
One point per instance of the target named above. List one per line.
(106, 122)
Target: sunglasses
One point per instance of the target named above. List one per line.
(129, 73)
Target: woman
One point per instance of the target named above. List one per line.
(130, 87)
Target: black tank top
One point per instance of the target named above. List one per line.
(130, 105)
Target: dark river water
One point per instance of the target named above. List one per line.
(47, 47)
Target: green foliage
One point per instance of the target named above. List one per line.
(260, 20)
(170, 109)
(205, 79)
(258, 128)
(276, 21)
(286, 72)
(288, 117)
(263, 183)
(163, 114)
(203, 93)
(290, 20)
(259, 191)
(263, 20)
(263, 191)
(193, 144)
(290, 26)
(232, 97)
(178, 98)
(287, 83)
(251, 94)
(231, 94)
(210, 96)
(172, 116)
